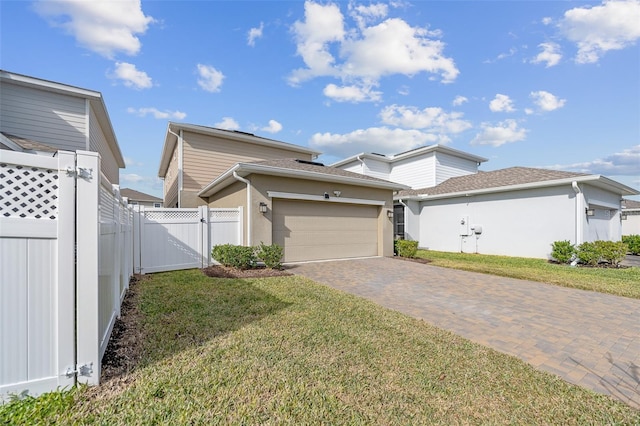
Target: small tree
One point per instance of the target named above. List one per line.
(563, 251)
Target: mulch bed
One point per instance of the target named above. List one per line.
(413, 259)
(219, 271)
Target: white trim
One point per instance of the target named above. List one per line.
(180, 166)
(11, 227)
(310, 197)
(87, 125)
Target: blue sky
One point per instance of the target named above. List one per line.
(522, 83)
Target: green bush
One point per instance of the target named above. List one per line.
(563, 251)
(612, 251)
(632, 242)
(240, 257)
(589, 254)
(406, 248)
(270, 255)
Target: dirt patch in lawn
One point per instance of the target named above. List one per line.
(218, 271)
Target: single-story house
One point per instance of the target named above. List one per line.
(314, 212)
(140, 198)
(41, 117)
(630, 217)
(516, 211)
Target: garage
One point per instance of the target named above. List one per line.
(314, 230)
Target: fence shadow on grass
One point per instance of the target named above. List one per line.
(178, 311)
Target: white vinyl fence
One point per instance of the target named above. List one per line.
(69, 244)
(173, 239)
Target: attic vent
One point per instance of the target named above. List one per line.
(313, 163)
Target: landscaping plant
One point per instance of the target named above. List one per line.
(563, 251)
(612, 251)
(632, 242)
(240, 257)
(270, 255)
(406, 248)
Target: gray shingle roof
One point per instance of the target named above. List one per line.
(28, 144)
(132, 194)
(630, 204)
(493, 179)
(293, 164)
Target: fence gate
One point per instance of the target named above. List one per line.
(169, 239)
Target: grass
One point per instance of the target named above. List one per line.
(617, 281)
(286, 350)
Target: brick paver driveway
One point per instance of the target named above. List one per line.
(587, 338)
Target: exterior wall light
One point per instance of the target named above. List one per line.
(590, 212)
(390, 214)
(263, 207)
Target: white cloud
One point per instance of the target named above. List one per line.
(431, 119)
(131, 76)
(360, 56)
(546, 101)
(210, 78)
(550, 54)
(459, 100)
(105, 27)
(254, 33)
(364, 15)
(228, 123)
(547, 20)
(130, 162)
(504, 132)
(613, 25)
(273, 127)
(625, 163)
(132, 177)
(501, 103)
(374, 139)
(157, 114)
(351, 93)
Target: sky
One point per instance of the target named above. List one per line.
(551, 84)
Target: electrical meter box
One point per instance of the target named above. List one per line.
(477, 229)
(465, 228)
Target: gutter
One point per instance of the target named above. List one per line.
(248, 183)
(579, 211)
(361, 162)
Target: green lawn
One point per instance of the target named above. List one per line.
(617, 281)
(289, 351)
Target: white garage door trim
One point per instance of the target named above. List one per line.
(310, 231)
(331, 199)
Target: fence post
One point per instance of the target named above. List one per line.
(87, 291)
(65, 295)
(204, 235)
(117, 249)
(137, 238)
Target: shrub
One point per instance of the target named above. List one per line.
(612, 251)
(406, 248)
(270, 255)
(563, 251)
(632, 242)
(588, 253)
(240, 257)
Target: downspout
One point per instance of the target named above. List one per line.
(579, 211)
(362, 162)
(179, 140)
(248, 183)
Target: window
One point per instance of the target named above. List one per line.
(156, 205)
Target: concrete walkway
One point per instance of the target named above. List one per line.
(587, 338)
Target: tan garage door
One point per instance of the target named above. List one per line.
(311, 230)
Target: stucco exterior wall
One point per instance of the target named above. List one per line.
(523, 223)
(631, 225)
(605, 224)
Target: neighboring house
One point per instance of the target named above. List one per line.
(312, 211)
(140, 198)
(194, 155)
(516, 211)
(630, 217)
(419, 168)
(42, 117)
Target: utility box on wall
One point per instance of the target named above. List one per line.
(465, 228)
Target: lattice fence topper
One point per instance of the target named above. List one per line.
(171, 215)
(28, 192)
(224, 214)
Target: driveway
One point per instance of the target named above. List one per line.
(589, 339)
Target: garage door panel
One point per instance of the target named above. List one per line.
(316, 230)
